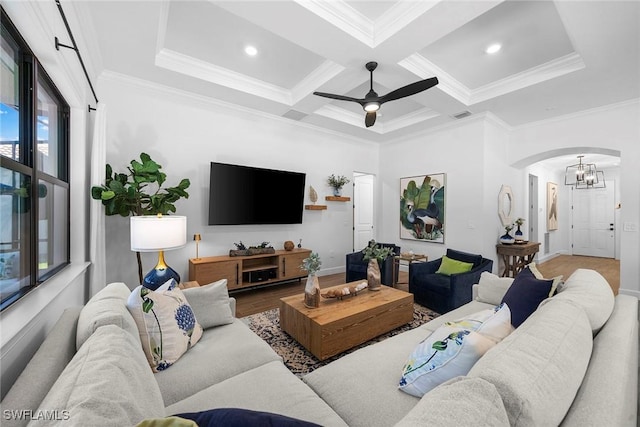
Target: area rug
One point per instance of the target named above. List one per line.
(300, 361)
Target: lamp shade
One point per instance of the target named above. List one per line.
(152, 233)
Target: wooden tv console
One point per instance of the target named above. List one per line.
(249, 271)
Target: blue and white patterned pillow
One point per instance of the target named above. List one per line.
(166, 323)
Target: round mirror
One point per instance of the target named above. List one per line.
(505, 205)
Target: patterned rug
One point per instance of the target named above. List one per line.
(300, 361)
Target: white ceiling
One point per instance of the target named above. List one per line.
(557, 57)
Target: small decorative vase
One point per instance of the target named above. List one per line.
(288, 245)
(507, 239)
(312, 292)
(518, 235)
(337, 192)
(373, 275)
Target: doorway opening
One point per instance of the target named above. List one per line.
(363, 211)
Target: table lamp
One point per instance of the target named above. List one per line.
(151, 233)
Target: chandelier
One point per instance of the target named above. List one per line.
(584, 176)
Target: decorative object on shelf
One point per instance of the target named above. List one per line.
(518, 233)
(151, 233)
(197, 238)
(583, 176)
(506, 238)
(299, 243)
(125, 194)
(375, 254)
(288, 245)
(337, 182)
(242, 250)
(346, 291)
(552, 206)
(422, 208)
(313, 195)
(505, 204)
(312, 289)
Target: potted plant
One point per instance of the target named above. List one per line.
(312, 289)
(375, 254)
(518, 233)
(132, 193)
(337, 182)
(506, 238)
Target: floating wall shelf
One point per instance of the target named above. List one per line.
(315, 207)
(337, 198)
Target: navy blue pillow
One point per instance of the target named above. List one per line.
(236, 417)
(525, 294)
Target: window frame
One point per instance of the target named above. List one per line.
(31, 75)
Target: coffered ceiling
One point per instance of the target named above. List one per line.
(556, 57)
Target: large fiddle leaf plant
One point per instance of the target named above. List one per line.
(139, 191)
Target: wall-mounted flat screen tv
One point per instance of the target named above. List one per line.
(249, 195)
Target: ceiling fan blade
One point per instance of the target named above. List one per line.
(339, 97)
(409, 90)
(370, 119)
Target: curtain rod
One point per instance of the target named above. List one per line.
(74, 48)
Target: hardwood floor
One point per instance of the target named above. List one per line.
(267, 298)
(567, 264)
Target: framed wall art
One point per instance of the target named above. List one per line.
(422, 204)
(552, 206)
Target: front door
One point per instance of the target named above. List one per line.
(593, 221)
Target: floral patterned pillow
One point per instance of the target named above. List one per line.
(166, 323)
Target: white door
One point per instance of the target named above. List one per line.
(362, 210)
(593, 222)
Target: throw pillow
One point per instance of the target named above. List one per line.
(450, 351)
(237, 417)
(525, 295)
(493, 323)
(450, 266)
(492, 288)
(210, 304)
(556, 280)
(166, 324)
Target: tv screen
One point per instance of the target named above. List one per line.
(249, 195)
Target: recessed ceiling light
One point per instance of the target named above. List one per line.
(494, 48)
(250, 50)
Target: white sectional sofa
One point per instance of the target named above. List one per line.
(573, 362)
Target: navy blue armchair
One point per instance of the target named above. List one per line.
(356, 267)
(443, 293)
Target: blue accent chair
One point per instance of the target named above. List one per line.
(356, 267)
(443, 293)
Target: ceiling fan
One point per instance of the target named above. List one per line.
(372, 102)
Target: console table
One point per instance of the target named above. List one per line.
(516, 256)
(249, 271)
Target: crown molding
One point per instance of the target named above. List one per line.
(398, 17)
(410, 119)
(339, 14)
(422, 67)
(321, 75)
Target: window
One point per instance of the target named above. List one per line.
(34, 177)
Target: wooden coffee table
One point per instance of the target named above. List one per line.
(338, 325)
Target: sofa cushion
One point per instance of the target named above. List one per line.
(107, 307)
(107, 383)
(461, 401)
(450, 351)
(267, 388)
(166, 324)
(592, 292)
(449, 266)
(491, 288)
(493, 323)
(237, 417)
(557, 280)
(210, 304)
(221, 353)
(525, 295)
(539, 367)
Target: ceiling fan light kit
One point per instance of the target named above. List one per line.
(372, 102)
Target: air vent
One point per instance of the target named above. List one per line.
(462, 114)
(295, 115)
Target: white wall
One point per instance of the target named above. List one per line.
(612, 130)
(24, 324)
(185, 133)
